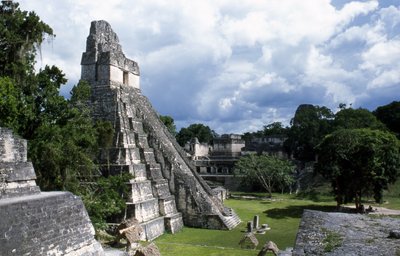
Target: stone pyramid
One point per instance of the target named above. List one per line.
(166, 190)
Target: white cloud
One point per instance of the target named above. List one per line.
(382, 54)
(391, 16)
(386, 79)
(353, 9)
(237, 65)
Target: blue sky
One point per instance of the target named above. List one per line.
(238, 65)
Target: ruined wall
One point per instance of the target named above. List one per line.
(17, 176)
(165, 186)
(34, 222)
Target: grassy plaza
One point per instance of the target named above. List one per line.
(282, 213)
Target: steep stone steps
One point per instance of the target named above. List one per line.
(231, 221)
(147, 155)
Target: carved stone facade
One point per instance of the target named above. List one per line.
(34, 222)
(215, 162)
(166, 190)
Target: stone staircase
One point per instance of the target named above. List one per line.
(150, 200)
(230, 219)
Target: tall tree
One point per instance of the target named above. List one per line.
(390, 115)
(64, 144)
(275, 128)
(9, 103)
(308, 126)
(21, 33)
(359, 162)
(269, 171)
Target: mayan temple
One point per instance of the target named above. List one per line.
(167, 193)
(34, 222)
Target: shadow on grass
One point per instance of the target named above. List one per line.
(295, 211)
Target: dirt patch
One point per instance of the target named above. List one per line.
(377, 210)
(384, 211)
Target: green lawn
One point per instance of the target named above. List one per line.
(282, 214)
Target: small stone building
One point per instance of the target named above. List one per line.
(215, 162)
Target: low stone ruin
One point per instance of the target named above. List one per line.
(149, 250)
(248, 241)
(269, 246)
(131, 231)
(335, 234)
(254, 226)
(166, 190)
(34, 222)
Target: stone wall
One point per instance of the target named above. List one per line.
(17, 176)
(34, 222)
(165, 187)
(51, 223)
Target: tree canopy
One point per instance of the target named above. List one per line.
(269, 171)
(21, 33)
(349, 118)
(275, 128)
(308, 126)
(201, 131)
(390, 115)
(359, 162)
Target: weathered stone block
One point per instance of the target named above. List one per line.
(161, 189)
(144, 211)
(141, 191)
(167, 206)
(154, 171)
(139, 172)
(173, 223)
(153, 228)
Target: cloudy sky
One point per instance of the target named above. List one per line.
(238, 65)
